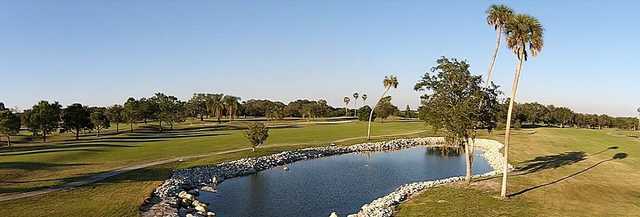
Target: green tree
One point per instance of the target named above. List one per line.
(456, 102)
(388, 82)
(169, 109)
(497, 17)
(76, 118)
(115, 113)
(346, 101)
(363, 113)
(215, 105)
(257, 134)
(99, 120)
(9, 124)
(231, 104)
(384, 109)
(131, 112)
(524, 38)
(197, 105)
(408, 113)
(45, 117)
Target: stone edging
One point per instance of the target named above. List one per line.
(177, 196)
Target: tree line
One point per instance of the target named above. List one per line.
(45, 118)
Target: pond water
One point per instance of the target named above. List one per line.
(341, 183)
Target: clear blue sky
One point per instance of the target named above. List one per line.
(101, 52)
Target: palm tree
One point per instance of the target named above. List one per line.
(497, 16)
(524, 37)
(388, 82)
(231, 104)
(638, 128)
(364, 99)
(346, 105)
(215, 105)
(355, 103)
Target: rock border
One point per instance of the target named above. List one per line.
(177, 196)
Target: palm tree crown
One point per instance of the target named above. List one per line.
(498, 16)
(524, 36)
(355, 95)
(390, 81)
(347, 100)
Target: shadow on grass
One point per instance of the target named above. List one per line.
(49, 148)
(618, 156)
(32, 166)
(550, 162)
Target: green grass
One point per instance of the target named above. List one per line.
(122, 195)
(33, 166)
(574, 175)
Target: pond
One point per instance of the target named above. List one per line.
(341, 183)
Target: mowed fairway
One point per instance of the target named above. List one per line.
(561, 172)
(37, 166)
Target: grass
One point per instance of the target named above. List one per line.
(560, 172)
(28, 167)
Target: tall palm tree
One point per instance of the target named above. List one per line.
(388, 82)
(638, 128)
(346, 105)
(524, 37)
(355, 104)
(497, 16)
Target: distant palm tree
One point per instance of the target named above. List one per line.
(524, 36)
(497, 16)
(215, 105)
(388, 82)
(638, 128)
(231, 104)
(364, 98)
(355, 104)
(346, 105)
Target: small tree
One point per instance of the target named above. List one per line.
(456, 101)
(115, 114)
(76, 118)
(45, 117)
(384, 109)
(363, 113)
(9, 124)
(99, 120)
(131, 112)
(355, 104)
(257, 134)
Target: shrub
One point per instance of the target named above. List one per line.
(363, 113)
(257, 134)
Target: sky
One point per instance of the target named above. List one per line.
(102, 52)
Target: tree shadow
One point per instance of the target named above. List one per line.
(46, 148)
(51, 151)
(32, 166)
(550, 162)
(618, 156)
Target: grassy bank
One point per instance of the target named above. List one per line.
(561, 172)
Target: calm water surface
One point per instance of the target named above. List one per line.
(340, 183)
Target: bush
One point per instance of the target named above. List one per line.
(363, 113)
(257, 134)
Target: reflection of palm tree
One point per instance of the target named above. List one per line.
(524, 33)
(388, 82)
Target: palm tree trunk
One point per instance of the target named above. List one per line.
(467, 157)
(77, 134)
(507, 134)
(131, 126)
(117, 128)
(371, 113)
(355, 108)
(346, 112)
(495, 55)
(8, 140)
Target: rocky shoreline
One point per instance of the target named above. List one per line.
(177, 196)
